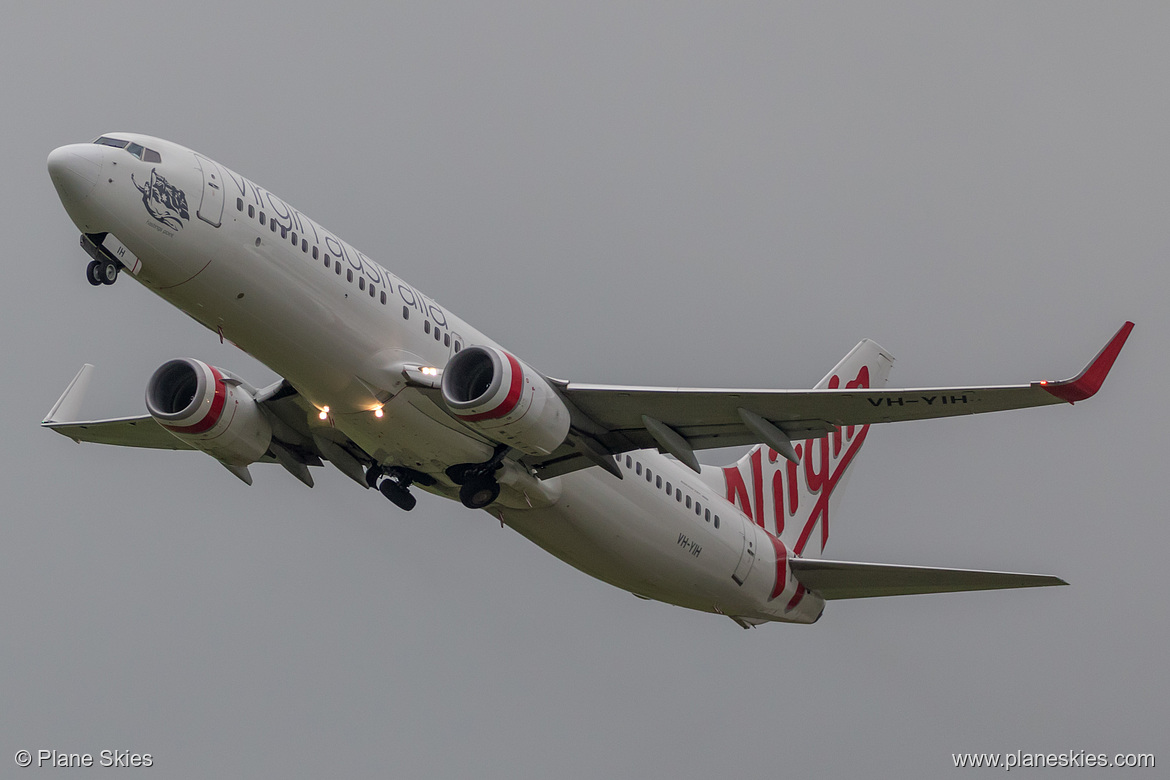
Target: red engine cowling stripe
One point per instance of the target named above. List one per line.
(509, 403)
(213, 414)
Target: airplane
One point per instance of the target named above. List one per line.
(399, 394)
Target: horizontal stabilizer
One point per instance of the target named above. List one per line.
(849, 580)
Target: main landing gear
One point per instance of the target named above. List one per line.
(477, 481)
(395, 482)
(102, 272)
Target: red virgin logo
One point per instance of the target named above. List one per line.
(779, 493)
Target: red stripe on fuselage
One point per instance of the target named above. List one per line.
(781, 565)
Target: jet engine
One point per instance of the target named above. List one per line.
(505, 400)
(209, 409)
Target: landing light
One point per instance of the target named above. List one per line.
(378, 412)
(429, 371)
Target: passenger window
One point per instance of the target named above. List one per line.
(707, 515)
(251, 211)
(337, 268)
(304, 245)
(459, 346)
(272, 224)
(638, 469)
(326, 262)
(261, 217)
(688, 502)
(627, 461)
(437, 335)
(362, 283)
(294, 239)
(283, 231)
(698, 508)
(239, 204)
(446, 339)
(151, 156)
(349, 274)
(669, 490)
(382, 297)
(426, 326)
(678, 495)
(716, 521)
(405, 313)
(649, 476)
(315, 252)
(658, 482)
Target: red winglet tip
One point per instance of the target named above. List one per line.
(1088, 382)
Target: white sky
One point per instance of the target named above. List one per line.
(718, 194)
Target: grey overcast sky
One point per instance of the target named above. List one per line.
(659, 193)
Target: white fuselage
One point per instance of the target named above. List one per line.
(339, 328)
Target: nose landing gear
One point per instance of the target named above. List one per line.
(102, 272)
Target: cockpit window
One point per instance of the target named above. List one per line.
(139, 151)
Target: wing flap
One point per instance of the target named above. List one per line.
(851, 580)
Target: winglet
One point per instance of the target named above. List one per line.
(69, 404)
(1088, 382)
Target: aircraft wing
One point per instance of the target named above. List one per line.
(298, 445)
(848, 580)
(679, 420)
(141, 431)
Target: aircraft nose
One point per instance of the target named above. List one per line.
(75, 170)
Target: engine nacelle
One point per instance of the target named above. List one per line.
(193, 401)
(505, 400)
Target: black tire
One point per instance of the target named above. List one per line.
(478, 493)
(93, 273)
(373, 474)
(398, 496)
(108, 272)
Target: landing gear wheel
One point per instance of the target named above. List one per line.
(108, 272)
(399, 496)
(373, 474)
(478, 492)
(93, 273)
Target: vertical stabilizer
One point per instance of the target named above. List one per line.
(794, 501)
